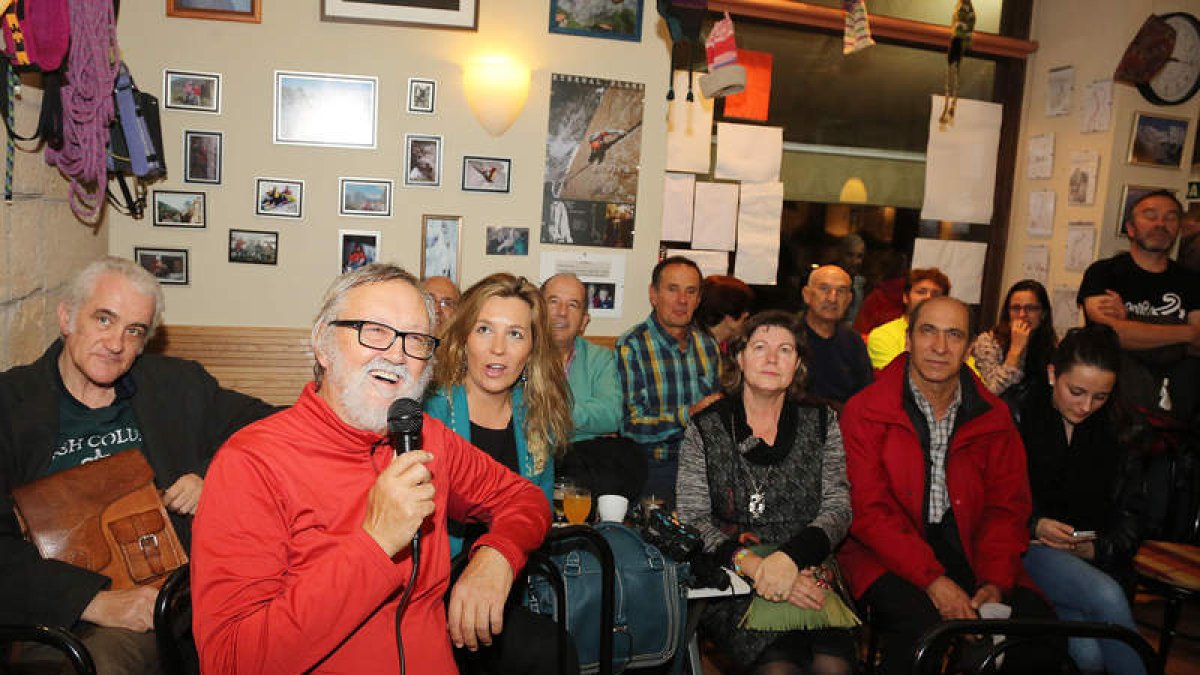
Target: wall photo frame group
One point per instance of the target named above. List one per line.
(1158, 140)
(463, 14)
(422, 160)
(202, 156)
(254, 247)
(422, 96)
(440, 246)
(486, 174)
(325, 109)
(279, 198)
(365, 197)
(357, 248)
(249, 11)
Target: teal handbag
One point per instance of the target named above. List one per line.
(650, 600)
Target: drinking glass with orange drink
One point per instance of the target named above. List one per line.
(577, 504)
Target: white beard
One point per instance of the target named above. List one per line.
(353, 390)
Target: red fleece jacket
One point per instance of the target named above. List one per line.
(986, 479)
(284, 578)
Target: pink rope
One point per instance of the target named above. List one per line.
(87, 105)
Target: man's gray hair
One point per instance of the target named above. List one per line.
(335, 297)
(81, 287)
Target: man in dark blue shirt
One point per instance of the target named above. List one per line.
(838, 366)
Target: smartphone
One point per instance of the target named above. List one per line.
(1084, 534)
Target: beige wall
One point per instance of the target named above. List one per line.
(295, 39)
(41, 245)
(1091, 36)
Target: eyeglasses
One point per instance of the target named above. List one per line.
(381, 337)
(1028, 309)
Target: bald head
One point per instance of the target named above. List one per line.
(445, 299)
(566, 299)
(827, 296)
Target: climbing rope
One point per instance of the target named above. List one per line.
(87, 106)
(10, 148)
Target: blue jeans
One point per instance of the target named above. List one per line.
(1081, 592)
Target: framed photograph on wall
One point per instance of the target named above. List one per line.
(168, 265)
(422, 96)
(1129, 195)
(1158, 140)
(357, 248)
(364, 197)
(179, 208)
(440, 249)
(597, 18)
(186, 90)
(422, 160)
(202, 157)
(234, 10)
(507, 240)
(279, 198)
(325, 109)
(254, 247)
(430, 13)
(486, 174)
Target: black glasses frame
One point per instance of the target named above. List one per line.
(357, 325)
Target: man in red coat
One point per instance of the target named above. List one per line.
(940, 494)
(303, 546)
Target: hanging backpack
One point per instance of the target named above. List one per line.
(135, 145)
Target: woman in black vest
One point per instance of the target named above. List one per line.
(760, 466)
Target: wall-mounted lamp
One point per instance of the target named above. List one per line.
(496, 87)
(854, 191)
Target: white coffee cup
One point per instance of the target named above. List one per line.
(612, 507)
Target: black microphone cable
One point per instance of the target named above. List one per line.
(404, 432)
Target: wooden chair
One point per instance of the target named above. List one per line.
(1172, 571)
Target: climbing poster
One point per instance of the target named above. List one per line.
(593, 149)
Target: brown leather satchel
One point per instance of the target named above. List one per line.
(105, 516)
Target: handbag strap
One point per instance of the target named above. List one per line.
(127, 115)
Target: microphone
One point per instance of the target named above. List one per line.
(404, 419)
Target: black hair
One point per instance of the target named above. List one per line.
(673, 260)
(1094, 345)
(1042, 341)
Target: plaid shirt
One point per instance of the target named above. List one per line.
(660, 383)
(939, 442)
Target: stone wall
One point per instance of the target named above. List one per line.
(41, 246)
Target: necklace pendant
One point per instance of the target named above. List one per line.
(757, 505)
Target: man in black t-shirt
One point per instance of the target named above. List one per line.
(838, 365)
(1154, 306)
(91, 395)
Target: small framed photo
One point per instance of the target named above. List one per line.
(1129, 196)
(168, 265)
(324, 109)
(232, 10)
(279, 198)
(254, 247)
(440, 248)
(184, 90)
(486, 174)
(202, 157)
(365, 197)
(429, 13)
(597, 18)
(422, 96)
(179, 208)
(1158, 140)
(507, 240)
(600, 295)
(357, 248)
(422, 160)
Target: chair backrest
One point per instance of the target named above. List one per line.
(933, 644)
(173, 625)
(74, 650)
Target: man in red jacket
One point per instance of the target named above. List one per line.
(302, 547)
(940, 494)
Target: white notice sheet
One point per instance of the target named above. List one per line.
(710, 262)
(678, 192)
(962, 261)
(758, 233)
(689, 129)
(714, 221)
(748, 152)
(960, 163)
